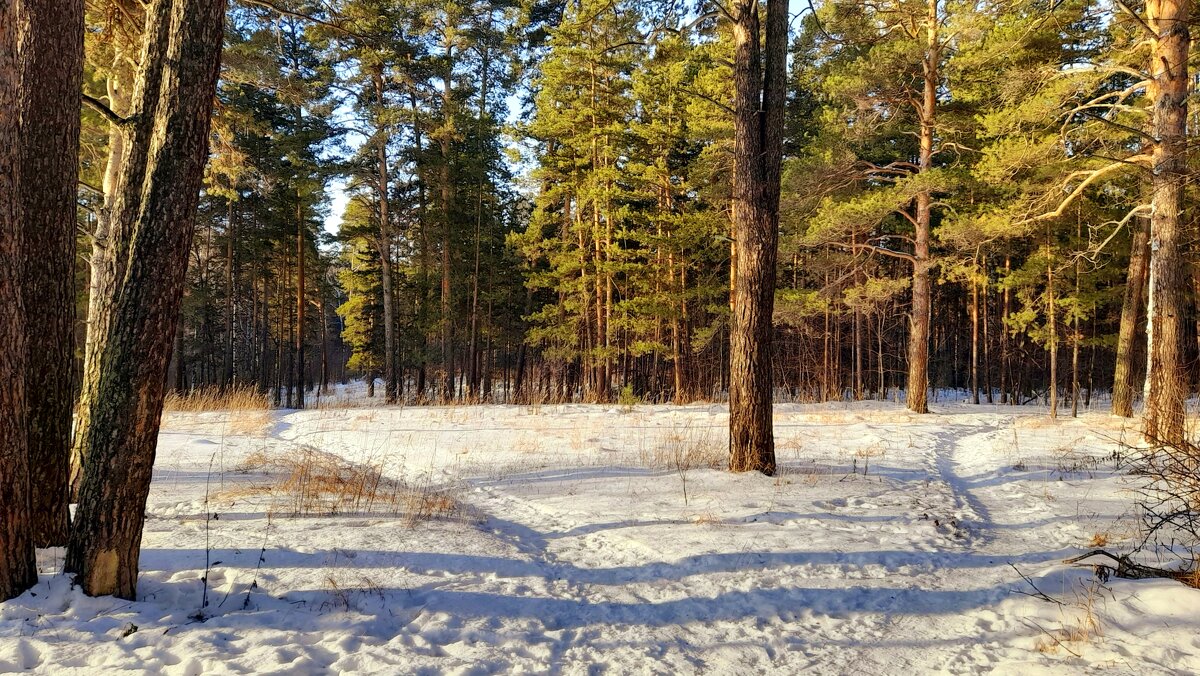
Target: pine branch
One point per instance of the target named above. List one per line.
(105, 112)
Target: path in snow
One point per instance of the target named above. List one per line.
(577, 552)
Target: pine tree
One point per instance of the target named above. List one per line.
(18, 566)
(140, 287)
(51, 74)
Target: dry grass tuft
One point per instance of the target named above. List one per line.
(237, 398)
(686, 448)
(308, 482)
(1077, 631)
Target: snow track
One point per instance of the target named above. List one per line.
(886, 546)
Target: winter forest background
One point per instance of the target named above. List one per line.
(689, 209)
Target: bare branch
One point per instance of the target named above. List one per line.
(105, 112)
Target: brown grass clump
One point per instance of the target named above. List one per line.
(237, 398)
(1078, 630)
(684, 449)
(309, 482)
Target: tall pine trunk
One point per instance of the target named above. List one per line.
(18, 566)
(1167, 375)
(759, 91)
(300, 256)
(140, 288)
(51, 63)
(390, 353)
(447, 205)
(922, 292)
(1131, 307)
(230, 285)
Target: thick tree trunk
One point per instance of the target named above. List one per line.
(1168, 383)
(51, 63)
(141, 287)
(759, 85)
(18, 566)
(922, 292)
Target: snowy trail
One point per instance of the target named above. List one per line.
(885, 546)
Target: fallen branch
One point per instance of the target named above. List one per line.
(1129, 569)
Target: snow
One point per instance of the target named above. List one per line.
(890, 544)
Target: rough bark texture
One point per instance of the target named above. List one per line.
(1131, 307)
(759, 84)
(18, 568)
(119, 87)
(1165, 411)
(51, 62)
(922, 292)
(152, 218)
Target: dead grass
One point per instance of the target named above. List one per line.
(238, 398)
(309, 482)
(248, 409)
(685, 448)
(1080, 625)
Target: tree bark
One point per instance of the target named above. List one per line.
(390, 380)
(922, 292)
(974, 340)
(1167, 375)
(230, 283)
(51, 63)
(447, 205)
(300, 256)
(759, 90)
(18, 565)
(141, 285)
(1052, 320)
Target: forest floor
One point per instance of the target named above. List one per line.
(589, 539)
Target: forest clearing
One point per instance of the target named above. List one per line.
(586, 336)
(607, 539)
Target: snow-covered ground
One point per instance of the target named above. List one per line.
(586, 539)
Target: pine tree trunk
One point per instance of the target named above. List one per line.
(1005, 374)
(231, 233)
(1165, 411)
(974, 341)
(51, 63)
(384, 245)
(1076, 337)
(987, 354)
(447, 205)
(300, 256)
(918, 337)
(759, 88)
(18, 566)
(141, 287)
(1052, 319)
